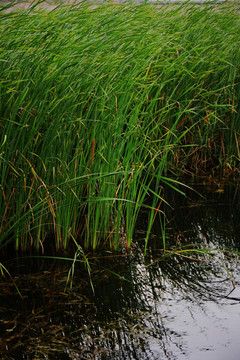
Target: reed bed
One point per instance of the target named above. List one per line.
(101, 107)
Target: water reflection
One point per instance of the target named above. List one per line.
(174, 307)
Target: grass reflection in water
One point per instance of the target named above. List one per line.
(166, 307)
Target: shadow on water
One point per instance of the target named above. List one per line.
(182, 306)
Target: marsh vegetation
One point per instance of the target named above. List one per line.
(109, 113)
(103, 107)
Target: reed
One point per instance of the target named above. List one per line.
(100, 106)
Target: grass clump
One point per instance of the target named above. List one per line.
(100, 105)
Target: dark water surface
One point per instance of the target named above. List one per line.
(180, 306)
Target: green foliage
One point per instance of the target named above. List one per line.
(98, 104)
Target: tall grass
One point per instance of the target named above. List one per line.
(100, 105)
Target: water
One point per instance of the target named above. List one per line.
(184, 306)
